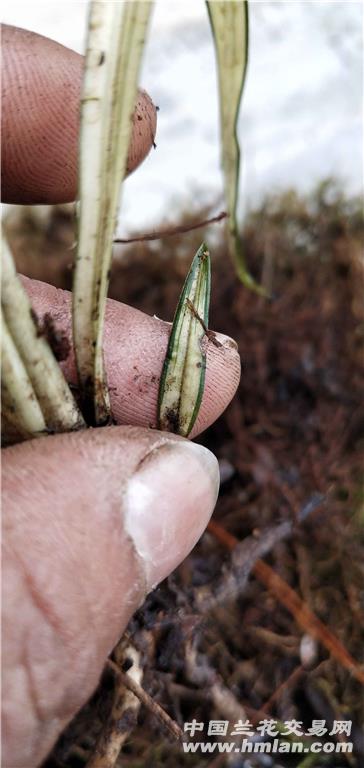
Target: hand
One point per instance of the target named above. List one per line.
(92, 520)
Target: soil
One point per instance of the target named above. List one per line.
(216, 643)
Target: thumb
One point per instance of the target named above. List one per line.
(92, 521)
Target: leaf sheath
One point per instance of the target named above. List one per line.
(183, 376)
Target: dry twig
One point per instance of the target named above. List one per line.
(171, 231)
(296, 675)
(153, 707)
(234, 580)
(301, 612)
(122, 719)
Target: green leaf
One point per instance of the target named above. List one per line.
(229, 24)
(20, 407)
(116, 35)
(26, 346)
(183, 376)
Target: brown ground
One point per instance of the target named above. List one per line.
(214, 639)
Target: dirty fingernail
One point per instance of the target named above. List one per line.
(168, 503)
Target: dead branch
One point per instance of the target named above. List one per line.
(299, 610)
(172, 231)
(122, 719)
(245, 555)
(296, 675)
(153, 707)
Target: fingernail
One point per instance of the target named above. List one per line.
(168, 503)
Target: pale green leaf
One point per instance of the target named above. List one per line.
(229, 23)
(183, 376)
(56, 401)
(20, 407)
(116, 35)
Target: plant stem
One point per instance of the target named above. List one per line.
(116, 34)
(20, 406)
(54, 396)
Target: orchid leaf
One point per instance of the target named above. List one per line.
(183, 376)
(116, 35)
(229, 24)
(20, 407)
(28, 352)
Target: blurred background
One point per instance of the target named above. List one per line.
(301, 118)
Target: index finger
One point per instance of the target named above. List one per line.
(41, 88)
(135, 346)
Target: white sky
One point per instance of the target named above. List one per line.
(302, 109)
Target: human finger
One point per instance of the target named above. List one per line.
(41, 91)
